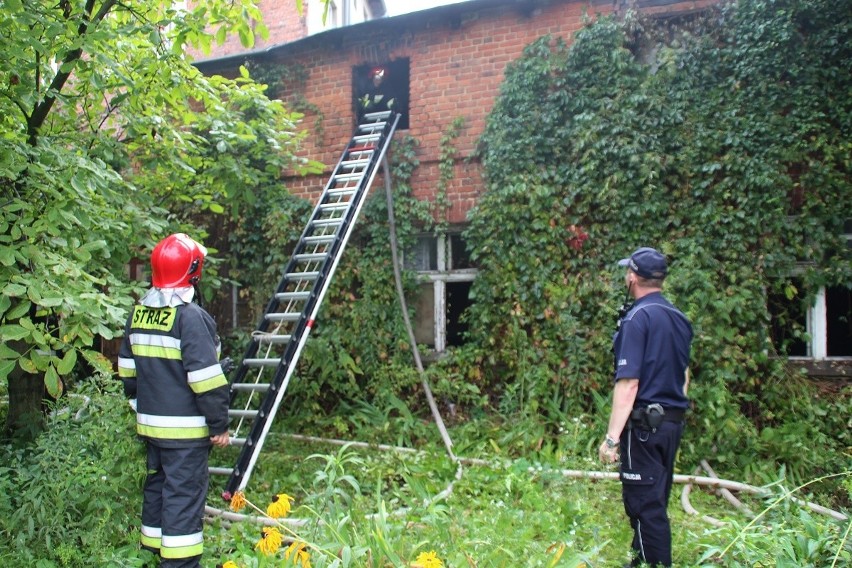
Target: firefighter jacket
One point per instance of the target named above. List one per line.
(169, 361)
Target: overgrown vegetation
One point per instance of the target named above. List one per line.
(111, 139)
(73, 500)
(723, 139)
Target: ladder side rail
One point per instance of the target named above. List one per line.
(334, 253)
(353, 214)
(328, 186)
(263, 324)
(269, 406)
(325, 193)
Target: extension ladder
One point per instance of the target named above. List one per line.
(260, 381)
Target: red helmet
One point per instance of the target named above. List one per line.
(176, 262)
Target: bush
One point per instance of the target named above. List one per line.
(74, 496)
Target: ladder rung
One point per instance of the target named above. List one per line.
(349, 177)
(382, 114)
(256, 387)
(372, 126)
(272, 339)
(358, 163)
(363, 150)
(238, 441)
(220, 470)
(242, 413)
(320, 239)
(261, 362)
(325, 207)
(327, 222)
(310, 257)
(292, 316)
(341, 191)
(302, 275)
(293, 296)
(363, 138)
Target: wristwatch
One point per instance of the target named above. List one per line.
(610, 443)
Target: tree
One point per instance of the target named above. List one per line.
(109, 137)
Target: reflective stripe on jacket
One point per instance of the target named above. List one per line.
(169, 361)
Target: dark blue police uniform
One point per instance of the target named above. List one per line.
(652, 345)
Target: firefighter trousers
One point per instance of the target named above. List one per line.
(173, 502)
(647, 469)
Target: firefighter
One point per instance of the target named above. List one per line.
(376, 96)
(169, 362)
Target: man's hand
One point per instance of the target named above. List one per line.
(220, 440)
(608, 454)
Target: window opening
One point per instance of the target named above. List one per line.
(460, 255)
(458, 300)
(820, 330)
(446, 274)
(838, 311)
(383, 86)
(789, 323)
(424, 256)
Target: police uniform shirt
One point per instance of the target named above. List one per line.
(652, 345)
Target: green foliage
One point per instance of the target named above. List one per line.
(287, 82)
(109, 139)
(334, 486)
(73, 497)
(723, 140)
(796, 539)
(446, 167)
(381, 508)
(73, 500)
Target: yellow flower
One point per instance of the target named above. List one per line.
(228, 564)
(280, 506)
(270, 541)
(238, 501)
(300, 555)
(427, 560)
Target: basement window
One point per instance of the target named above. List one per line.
(446, 274)
(382, 86)
(819, 329)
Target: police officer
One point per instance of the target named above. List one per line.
(169, 361)
(651, 350)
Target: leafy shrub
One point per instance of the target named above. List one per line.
(74, 496)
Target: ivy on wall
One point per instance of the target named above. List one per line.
(287, 82)
(723, 140)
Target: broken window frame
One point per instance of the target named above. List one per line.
(439, 274)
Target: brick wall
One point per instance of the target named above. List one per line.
(281, 18)
(457, 57)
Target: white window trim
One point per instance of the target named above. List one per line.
(818, 326)
(817, 329)
(439, 279)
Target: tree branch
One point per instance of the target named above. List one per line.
(42, 109)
